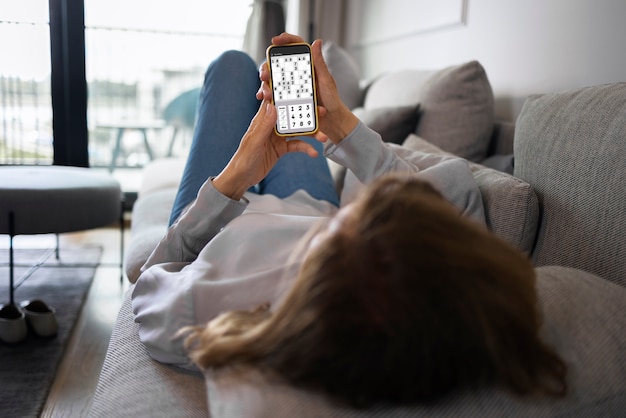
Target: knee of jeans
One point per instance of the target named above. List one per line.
(232, 60)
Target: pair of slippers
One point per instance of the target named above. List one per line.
(34, 314)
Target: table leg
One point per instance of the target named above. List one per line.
(146, 143)
(170, 150)
(123, 201)
(117, 149)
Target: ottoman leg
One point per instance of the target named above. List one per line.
(11, 259)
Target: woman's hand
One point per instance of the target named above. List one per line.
(336, 120)
(259, 150)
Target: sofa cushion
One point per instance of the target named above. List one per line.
(456, 105)
(149, 222)
(511, 206)
(345, 71)
(393, 124)
(571, 147)
(162, 173)
(151, 212)
(582, 321)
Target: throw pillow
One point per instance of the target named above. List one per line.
(345, 72)
(458, 111)
(394, 124)
(456, 105)
(511, 206)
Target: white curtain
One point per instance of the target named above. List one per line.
(266, 20)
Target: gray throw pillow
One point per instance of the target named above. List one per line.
(394, 124)
(458, 111)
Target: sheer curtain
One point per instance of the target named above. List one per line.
(266, 20)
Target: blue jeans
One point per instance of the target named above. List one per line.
(226, 106)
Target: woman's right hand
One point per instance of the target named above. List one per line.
(336, 119)
(259, 150)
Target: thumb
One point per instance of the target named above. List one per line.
(321, 68)
(318, 57)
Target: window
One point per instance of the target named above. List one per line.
(140, 55)
(25, 102)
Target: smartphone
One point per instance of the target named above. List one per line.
(293, 88)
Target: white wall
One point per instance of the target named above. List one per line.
(526, 46)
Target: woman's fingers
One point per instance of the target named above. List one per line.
(265, 118)
(264, 92)
(264, 71)
(297, 145)
(321, 136)
(286, 38)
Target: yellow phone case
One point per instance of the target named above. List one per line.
(287, 109)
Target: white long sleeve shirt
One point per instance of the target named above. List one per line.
(225, 255)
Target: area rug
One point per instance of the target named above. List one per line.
(27, 369)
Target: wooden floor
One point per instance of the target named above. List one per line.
(77, 376)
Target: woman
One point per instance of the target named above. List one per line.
(248, 197)
(401, 300)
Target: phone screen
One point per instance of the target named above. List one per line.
(293, 89)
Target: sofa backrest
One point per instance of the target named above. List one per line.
(571, 147)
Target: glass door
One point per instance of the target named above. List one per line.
(25, 101)
(145, 63)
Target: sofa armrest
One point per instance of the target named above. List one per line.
(163, 173)
(151, 211)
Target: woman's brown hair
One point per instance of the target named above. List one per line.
(406, 303)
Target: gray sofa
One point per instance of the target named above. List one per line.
(564, 204)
